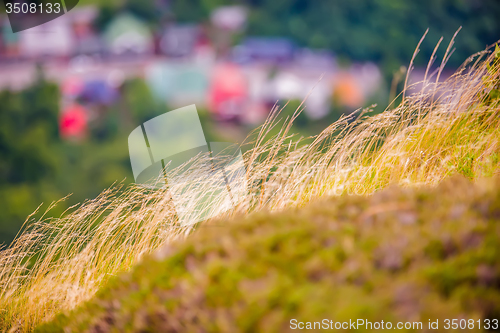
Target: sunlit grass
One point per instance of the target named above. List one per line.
(444, 129)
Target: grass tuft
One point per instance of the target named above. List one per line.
(401, 255)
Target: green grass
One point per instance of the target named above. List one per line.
(399, 255)
(445, 129)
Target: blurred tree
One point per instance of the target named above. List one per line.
(138, 101)
(28, 130)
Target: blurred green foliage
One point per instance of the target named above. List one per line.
(28, 132)
(37, 166)
(383, 31)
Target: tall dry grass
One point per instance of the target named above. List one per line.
(445, 128)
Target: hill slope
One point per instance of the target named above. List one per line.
(446, 128)
(398, 255)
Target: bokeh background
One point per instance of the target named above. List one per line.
(71, 90)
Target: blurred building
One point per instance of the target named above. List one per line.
(66, 36)
(229, 18)
(267, 50)
(228, 92)
(178, 83)
(179, 40)
(311, 86)
(181, 66)
(51, 39)
(352, 87)
(9, 41)
(127, 35)
(87, 40)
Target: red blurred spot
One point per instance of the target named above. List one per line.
(228, 91)
(73, 122)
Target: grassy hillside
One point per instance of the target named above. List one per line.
(443, 129)
(399, 255)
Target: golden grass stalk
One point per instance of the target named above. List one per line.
(445, 128)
